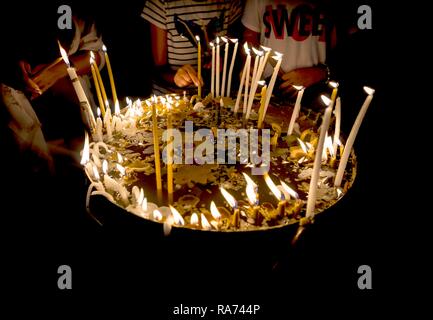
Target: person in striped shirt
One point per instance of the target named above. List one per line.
(173, 27)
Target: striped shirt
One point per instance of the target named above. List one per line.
(204, 18)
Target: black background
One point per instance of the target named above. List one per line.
(45, 225)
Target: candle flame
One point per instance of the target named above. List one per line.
(157, 215)
(229, 198)
(251, 194)
(178, 219)
(247, 50)
(224, 39)
(234, 40)
(121, 169)
(266, 48)
(197, 38)
(271, 185)
(261, 82)
(119, 157)
(104, 48)
(141, 197)
(144, 204)
(98, 112)
(128, 101)
(369, 90)
(211, 44)
(64, 54)
(105, 166)
(217, 40)
(204, 223)
(299, 88)
(214, 211)
(289, 190)
(194, 219)
(333, 84)
(249, 180)
(116, 108)
(328, 145)
(95, 172)
(303, 145)
(86, 150)
(326, 100)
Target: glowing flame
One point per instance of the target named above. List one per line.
(251, 194)
(271, 185)
(157, 215)
(217, 40)
(326, 100)
(178, 219)
(128, 101)
(234, 40)
(249, 180)
(119, 157)
(247, 50)
(204, 223)
(328, 145)
(144, 204)
(64, 54)
(95, 172)
(289, 190)
(214, 211)
(194, 219)
(299, 88)
(278, 56)
(104, 48)
(121, 169)
(369, 90)
(266, 48)
(261, 82)
(85, 157)
(224, 39)
(98, 112)
(333, 84)
(197, 38)
(105, 166)
(229, 198)
(117, 108)
(303, 145)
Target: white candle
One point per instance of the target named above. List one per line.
(247, 79)
(352, 136)
(212, 80)
(217, 67)
(296, 109)
(262, 63)
(82, 98)
(254, 79)
(337, 112)
(107, 123)
(99, 129)
(235, 50)
(279, 57)
(312, 193)
(226, 53)
(241, 85)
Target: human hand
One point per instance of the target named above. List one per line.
(305, 77)
(187, 75)
(30, 86)
(48, 76)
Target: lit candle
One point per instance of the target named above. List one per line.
(296, 109)
(110, 74)
(82, 98)
(251, 191)
(107, 123)
(334, 85)
(199, 65)
(247, 79)
(238, 98)
(217, 67)
(312, 193)
(254, 84)
(351, 139)
(262, 105)
(156, 151)
(96, 83)
(282, 202)
(99, 126)
(226, 53)
(235, 51)
(177, 217)
(279, 57)
(337, 113)
(169, 155)
(212, 80)
(233, 203)
(262, 63)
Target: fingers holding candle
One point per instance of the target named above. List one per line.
(187, 75)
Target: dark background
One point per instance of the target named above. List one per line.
(45, 224)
